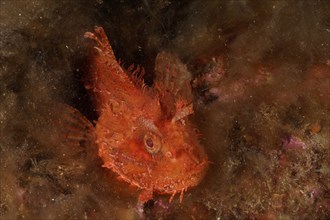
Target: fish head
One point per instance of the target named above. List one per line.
(169, 151)
(181, 160)
(162, 153)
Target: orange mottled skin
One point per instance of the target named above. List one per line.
(142, 132)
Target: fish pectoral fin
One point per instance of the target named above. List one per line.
(73, 128)
(145, 196)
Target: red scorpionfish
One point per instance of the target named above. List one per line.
(142, 133)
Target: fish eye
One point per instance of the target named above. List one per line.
(152, 143)
(149, 143)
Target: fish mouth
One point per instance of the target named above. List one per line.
(186, 180)
(180, 185)
(197, 174)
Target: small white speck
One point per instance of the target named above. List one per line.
(19, 14)
(67, 47)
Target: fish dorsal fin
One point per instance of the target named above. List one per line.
(172, 81)
(136, 74)
(172, 75)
